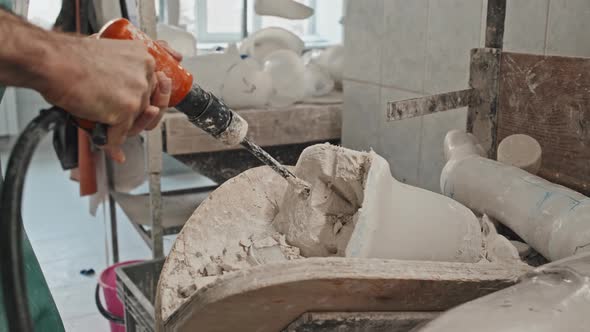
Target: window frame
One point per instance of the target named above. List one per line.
(212, 37)
(254, 24)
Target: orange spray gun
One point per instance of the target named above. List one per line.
(203, 109)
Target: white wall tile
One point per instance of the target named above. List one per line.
(432, 159)
(484, 14)
(569, 24)
(399, 141)
(404, 44)
(526, 22)
(363, 40)
(361, 114)
(454, 28)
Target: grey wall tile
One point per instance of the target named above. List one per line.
(363, 39)
(432, 158)
(526, 22)
(403, 55)
(569, 23)
(454, 28)
(399, 141)
(361, 114)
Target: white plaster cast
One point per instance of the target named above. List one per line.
(317, 82)
(551, 218)
(555, 297)
(265, 41)
(358, 209)
(331, 60)
(520, 151)
(210, 70)
(289, 9)
(405, 222)
(246, 85)
(180, 40)
(288, 77)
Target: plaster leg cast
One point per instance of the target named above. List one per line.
(551, 218)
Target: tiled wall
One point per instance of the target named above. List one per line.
(400, 49)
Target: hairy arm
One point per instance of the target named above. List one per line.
(108, 81)
(25, 51)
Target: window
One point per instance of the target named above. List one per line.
(222, 21)
(43, 12)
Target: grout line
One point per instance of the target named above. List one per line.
(483, 23)
(381, 48)
(547, 17)
(425, 77)
(389, 86)
(420, 141)
(426, 58)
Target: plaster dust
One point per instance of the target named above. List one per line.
(257, 218)
(230, 230)
(235, 132)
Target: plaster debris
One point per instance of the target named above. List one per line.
(336, 176)
(212, 269)
(257, 218)
(523, 249)
(186, 291)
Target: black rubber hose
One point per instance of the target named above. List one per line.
(11, 229)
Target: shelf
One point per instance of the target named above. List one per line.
(177, 206)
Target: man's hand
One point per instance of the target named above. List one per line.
(111, 82)
(107, 81)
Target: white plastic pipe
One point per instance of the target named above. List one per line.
(551, 218)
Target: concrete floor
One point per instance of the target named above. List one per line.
(67, 239)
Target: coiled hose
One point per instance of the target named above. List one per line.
(11, 228)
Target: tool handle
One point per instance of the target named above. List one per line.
(98, 132)
(181, 79)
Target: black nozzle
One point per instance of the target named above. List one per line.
(205, 111)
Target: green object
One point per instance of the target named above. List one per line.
(43, 310)
(42, 307)
(6, 4)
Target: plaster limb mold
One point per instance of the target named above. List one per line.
(355, 209)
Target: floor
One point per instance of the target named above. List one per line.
(67, 239)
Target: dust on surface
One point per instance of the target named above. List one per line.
(259, 218)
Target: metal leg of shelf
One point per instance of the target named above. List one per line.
(144, 234)
(157, 233)
(112, 211)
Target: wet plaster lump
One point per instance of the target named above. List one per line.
(258, 218)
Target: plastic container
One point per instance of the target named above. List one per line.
(136, 286)
(114, 310)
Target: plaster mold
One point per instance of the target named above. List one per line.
(331, 60)
(210, 71)
(289, 9)
(265, 41)
(551, 218)
(247, 86)
(356, 209)
(555, 297)
(178, 39)
(520, 151)
(317, 82)
(288, 77)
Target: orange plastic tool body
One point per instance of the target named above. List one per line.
(182, 80)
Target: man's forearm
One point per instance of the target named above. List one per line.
(25, 53)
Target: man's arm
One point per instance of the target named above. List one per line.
(108, 81)
(22, 48)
